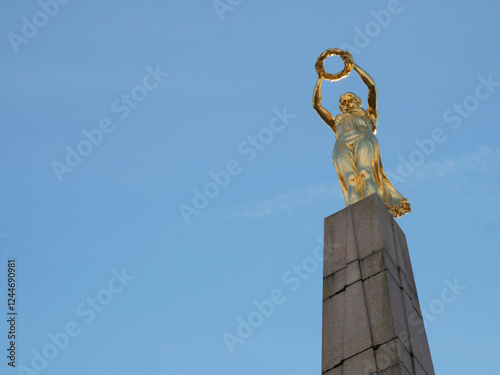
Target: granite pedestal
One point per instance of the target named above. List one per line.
(372, 323)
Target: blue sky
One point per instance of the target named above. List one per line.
(175, 89)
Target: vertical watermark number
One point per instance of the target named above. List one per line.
(11, 311)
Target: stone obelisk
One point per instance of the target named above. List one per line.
(372, 323)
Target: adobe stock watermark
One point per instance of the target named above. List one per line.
(455, 116)
(379, 20)
(121, 107)
(292, 278)
(437, 306)
(223, 6)
(220, 180)
(31, 26)
(87, 310)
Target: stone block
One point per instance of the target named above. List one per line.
(361, 364)
(404, 255)
(385, 307)
(376, 262)
(391, 353)
(333, 331)
(327, 288)
(398, 307)
(335, 242)
(398, 369)
(365, 215)
(335, 371)
(419, 343)
(353, 273)
(419, 370)
(409, 290)
(357, 328)
(334, 283)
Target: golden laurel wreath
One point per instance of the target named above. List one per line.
(328, 76)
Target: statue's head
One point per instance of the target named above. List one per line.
(349, 102)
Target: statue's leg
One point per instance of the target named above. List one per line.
(343, 159)
(367, 154)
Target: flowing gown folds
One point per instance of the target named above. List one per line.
(356, 157)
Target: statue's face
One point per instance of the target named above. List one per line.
(348, 103)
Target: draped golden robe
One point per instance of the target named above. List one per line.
(356, 157)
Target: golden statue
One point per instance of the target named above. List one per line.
(356, 154)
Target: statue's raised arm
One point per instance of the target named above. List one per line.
(372, 111)
(322, 112)
(325, 115)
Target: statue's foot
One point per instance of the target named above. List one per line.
(399, 210)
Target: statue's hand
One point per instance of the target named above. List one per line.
(347, 57)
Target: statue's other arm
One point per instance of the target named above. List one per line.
(322, 112)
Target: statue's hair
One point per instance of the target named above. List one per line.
(352, 95)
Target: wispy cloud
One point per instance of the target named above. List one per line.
(287, 201)
(483, 161)
(473, 178)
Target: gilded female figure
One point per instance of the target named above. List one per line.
(356, 154)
